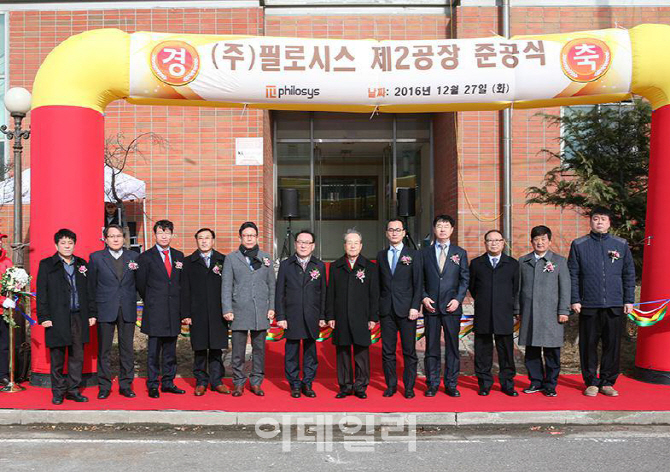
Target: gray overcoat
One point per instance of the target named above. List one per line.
(247, 293)
(543, 295)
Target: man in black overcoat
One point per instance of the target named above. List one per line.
(201, 309)
(445, 284)
(300, 304)
(352, 306)
(494, 284)
(111, 281)
(158, 282)
(400, 289)
(66, 310)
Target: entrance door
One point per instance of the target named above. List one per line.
(347, 168)
(353, 189)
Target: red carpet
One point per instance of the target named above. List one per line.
(633, 395)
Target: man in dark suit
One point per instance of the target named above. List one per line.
(445, 284)
(494, 284)
(300, 304)
(65, 310)
(400, 287)
(352, 306)
(158, 282)
(111, 282)
(201, 309)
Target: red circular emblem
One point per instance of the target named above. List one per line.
(585, 60)
(175, 62)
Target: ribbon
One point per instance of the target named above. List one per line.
(651, 317)
(31, 321)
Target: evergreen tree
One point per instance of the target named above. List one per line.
(604, 160)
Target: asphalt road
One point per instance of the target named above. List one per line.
(593, 449)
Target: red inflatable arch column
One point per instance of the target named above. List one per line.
(652, 359)
(67, 191)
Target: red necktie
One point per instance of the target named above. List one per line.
(168, 265)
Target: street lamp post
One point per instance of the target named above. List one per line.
(17, 102)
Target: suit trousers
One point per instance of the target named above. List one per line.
(161, 348)
(434, 325)
(600, 325)
(208, 367)
(353, 380)
(239, 340)
(126, 334)
(543, 374)
(292, 362)
(391, 325)
(60, 384)
(484, 360)
(4, 349)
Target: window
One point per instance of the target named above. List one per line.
(571, 131)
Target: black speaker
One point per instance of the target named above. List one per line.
(406, 201)
(289, 203)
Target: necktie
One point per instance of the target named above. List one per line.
(394, 262)
(494, 261)
(207, 261)
(443, 257)
(168, 264)
(303, 264)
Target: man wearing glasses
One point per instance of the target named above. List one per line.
(494, 284)
(445, 284)
(400, 284)
(300, 304)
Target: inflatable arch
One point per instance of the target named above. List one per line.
(81, 76)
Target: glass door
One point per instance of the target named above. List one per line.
(352, 191)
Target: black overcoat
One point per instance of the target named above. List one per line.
(201, 301)
(494, 291)
(300, 297)
(352, 300)
(53, 300)
(161, 294)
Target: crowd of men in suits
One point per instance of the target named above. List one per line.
(214, 293)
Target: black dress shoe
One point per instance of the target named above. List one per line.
(361, 394)
(343, 394)
(409, 393)
(511, 393)
(430, 392)
(452, 392)
(153, 393)
(4, 381)
(550, 392)
(102, 394)
(533, 389)
(127, 392)
(173, 389)
(57, 400)
(483, 392)
(389, 392)
(295, 393)
(308, 392)
(77, 397)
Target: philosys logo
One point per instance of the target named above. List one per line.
(585, 60)
(274, 92)
(175, 62)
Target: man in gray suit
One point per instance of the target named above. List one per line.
(544, 305)
(111, 280)
(248, 298)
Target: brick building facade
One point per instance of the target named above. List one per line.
(194, 181)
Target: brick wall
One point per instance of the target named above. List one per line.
(194, 181)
